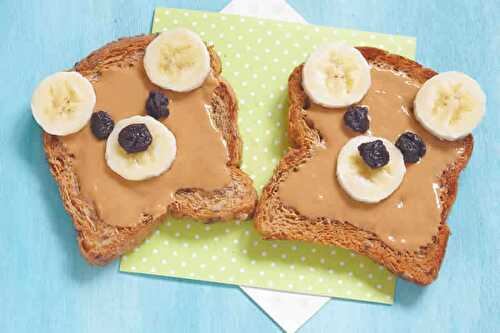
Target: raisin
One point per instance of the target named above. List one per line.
(412, 146)
(374, 153)
(101, 124)
(157, 105)
(356, 118)
(135, 138)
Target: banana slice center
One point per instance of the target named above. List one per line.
(140, 158)
(452, 104)
(371, 175)
(176, 59)
(339, 75)
(63, 100)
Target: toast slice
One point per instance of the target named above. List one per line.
(100, 242)
(274, 220)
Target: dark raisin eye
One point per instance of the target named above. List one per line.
(135, 138)
(412, 146)
(157, 105)
(374, 153)
(101, 124)
(356, 118)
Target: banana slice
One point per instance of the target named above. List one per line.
(177, 60)
(450, 105)
(336, 75)
(63, 102)
(146, 164)
(363, 183)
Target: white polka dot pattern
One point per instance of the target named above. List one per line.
(257, 57)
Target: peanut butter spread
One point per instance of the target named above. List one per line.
(201, 150)
(409, 217)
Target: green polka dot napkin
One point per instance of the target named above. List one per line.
(257, 57)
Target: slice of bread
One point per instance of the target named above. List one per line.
(100, 242)
(274, 220)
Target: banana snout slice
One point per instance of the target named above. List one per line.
(336, 75)
(63, 102)
(363, 183)
(450, 105)
(177, 60)
(152, 162)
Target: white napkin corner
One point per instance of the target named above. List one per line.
(266, 9)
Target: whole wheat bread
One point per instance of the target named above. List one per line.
(274, 220)
(100, 242)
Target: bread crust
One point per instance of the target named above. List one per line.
(100, 242)
(274, 220)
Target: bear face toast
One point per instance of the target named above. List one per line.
(366, 174)
(169, 150)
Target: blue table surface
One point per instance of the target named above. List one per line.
(45, 286)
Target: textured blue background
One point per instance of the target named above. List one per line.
(46, 287)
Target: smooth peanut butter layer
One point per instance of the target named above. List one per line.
(410, 217)
(201, 150)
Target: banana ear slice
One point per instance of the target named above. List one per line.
(450, 105)
(63, 102)
(336, 75)
(177, 60)
(363, 183)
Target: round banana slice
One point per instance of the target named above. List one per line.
(177, 60)
(336, 75)
(63, 103)
(363, 183)
(152, 162)
(450, 105)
